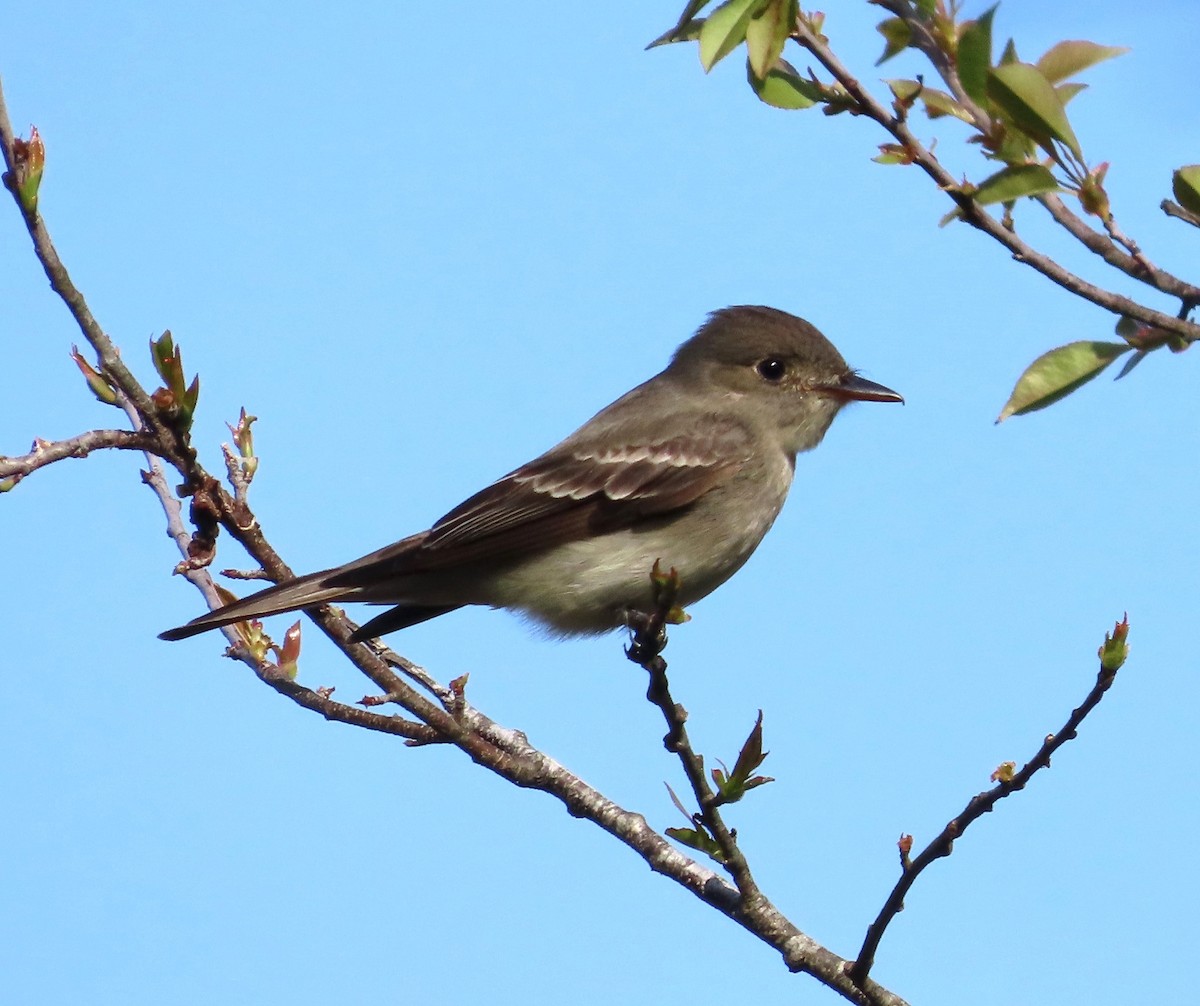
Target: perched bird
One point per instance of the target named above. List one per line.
(689, 469)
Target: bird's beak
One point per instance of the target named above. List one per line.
(853, 388)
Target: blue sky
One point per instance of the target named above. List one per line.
(422, 245)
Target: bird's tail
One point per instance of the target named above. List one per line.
(303, 592)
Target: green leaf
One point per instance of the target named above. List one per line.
(766, 34)
(732, 786)
(1068, 58)
(724, 30)
(783, 87)
(897, 36)
(939, 103)
(191, 397)
(1015, 147)
(1133, 361)
(162, 351)
(752, 754)
(904, 91)
(1009, 55)
(698, 840)
(893, 153)
(689, 31)
(1056, 374)
(1014, 182)
(1066, 92)
(678, 803)
(1185, 183)
(1028, 100)
(1127, 328)
(687, 27)
(975, 55)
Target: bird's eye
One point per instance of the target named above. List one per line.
(771, 369)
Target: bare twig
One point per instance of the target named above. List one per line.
(239, 476)
(979, 805)
(1173, 209)
(46, 452)
(446, 696)
(246, 574)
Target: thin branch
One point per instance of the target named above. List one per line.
(645, 649)
(446, 696)
(60, 282)
(246, 574)
(237, 473)
(1132, 263)
(979, 805)
(924, 41)
(748, 906)
(318, 701)
(503, 751)
(1173, 209)
(46, 452)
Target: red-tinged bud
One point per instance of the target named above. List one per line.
(289, 653)
(1114, 650)
(29, 160)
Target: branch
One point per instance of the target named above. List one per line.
(60, 283)
(1130, 261)
(649, 640)
(1173, 209)
(979, 805)
(747, 906)
(447, 717)
(975, 214)
(46, 452)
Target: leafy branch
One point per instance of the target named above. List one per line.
(1016, 113)
(430, 712)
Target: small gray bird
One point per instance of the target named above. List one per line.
(689, 469)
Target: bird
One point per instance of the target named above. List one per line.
(688, 470)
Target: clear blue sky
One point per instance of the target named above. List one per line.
(424, 242)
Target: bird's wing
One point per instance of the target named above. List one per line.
(575, 490)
